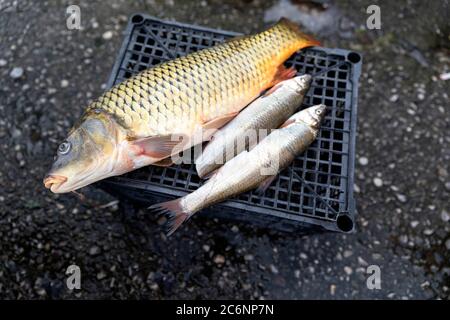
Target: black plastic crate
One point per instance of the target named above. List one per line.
(315, 193)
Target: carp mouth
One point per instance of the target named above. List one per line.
(53, 182)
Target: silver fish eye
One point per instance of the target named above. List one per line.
(318, 111)
(64, 147)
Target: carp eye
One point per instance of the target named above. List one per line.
(318, 111)
(64, 148)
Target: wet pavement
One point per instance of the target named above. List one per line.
(49, 74)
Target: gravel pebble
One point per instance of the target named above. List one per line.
(376, 256)
(362, 262)
(94, 250)
(447, 186)
(249, 257)
(442, 172)
(363, 161)
(333, 289)
(273, 269)
(403, 239)
(348, 270)
(414, 223)
(64, 83)
(219, 259)
(447, 244)
(154, 286)
(107, 35)
(16, 73)
(3, 62)
(393, 98)
(445, 216)
(401, 197)
(377, 182)
(348, 253)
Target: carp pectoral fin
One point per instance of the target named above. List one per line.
(219, 122)
(265, 184)
(163, 163)
(283, 73)
(286, 123)
(160, 147)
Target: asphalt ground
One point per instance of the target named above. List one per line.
(49, 74)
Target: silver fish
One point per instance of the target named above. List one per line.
(249, 169)
(243, 132)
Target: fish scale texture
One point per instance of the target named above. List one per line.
(179, 95)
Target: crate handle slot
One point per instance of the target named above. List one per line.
(354, 57)
(137, 19)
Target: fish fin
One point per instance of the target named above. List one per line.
(282, 74)
(271, 90)
(265, 184)
(159, 147)
(163, 163)
(211, 174)
(286, 123)
(174, 213)
(304, 39)
(219, 121)
(205, 171)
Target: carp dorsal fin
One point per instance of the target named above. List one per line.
(282, 74)
(237, 38)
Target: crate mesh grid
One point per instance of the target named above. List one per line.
(316, 184)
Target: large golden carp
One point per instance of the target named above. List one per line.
(134, 123)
